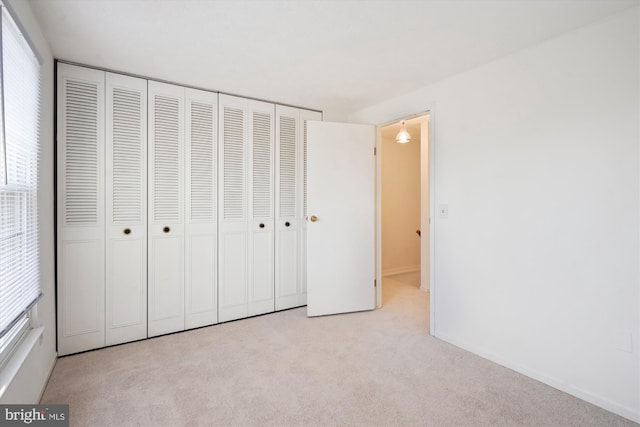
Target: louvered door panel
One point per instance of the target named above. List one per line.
(287, 162)
(167, 173)
(126, 202)
(201, 276)
(290, 186)
(166, 208)
(288, 257)
(234, 163)
(81, 234)
(262, 165)
(261, 223)
(82, 149)
(232, 189)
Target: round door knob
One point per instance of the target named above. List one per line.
(261, 225)
(127, 231)
(313, 218)
(286, 224)
(166, 230)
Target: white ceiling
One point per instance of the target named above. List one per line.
(329, 55)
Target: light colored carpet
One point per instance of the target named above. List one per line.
(412, 278)
(378, 368)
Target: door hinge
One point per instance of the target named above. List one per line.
(375, 283)
(375, 151)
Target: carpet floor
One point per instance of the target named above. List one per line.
(377, 368)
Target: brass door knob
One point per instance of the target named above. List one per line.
(313, 218)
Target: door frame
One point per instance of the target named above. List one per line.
(429, 144)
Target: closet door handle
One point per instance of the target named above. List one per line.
(286, 224)
(127, 231)
(261, 225)
(166, 229)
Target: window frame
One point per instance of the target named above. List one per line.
(16, 330)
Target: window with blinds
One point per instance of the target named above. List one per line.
(19, 143)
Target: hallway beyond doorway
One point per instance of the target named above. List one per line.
(411, 278)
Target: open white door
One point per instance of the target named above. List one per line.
(341, 218)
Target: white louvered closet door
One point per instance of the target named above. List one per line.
(201, 228)
(126, 209)
(260, 181)
(288, 209)
(81, 222)
(305, 117)
(291, 205)
(166, 209)
(232, 209)
(246, 242)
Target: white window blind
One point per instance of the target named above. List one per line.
(19, 143)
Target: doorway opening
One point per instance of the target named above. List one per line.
(404, 237)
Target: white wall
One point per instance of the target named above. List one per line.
(400, 202)
(537, 157)
(30, 380)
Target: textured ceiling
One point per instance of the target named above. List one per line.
(336, 56)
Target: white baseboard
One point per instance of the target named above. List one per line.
(46, 381)
(400, 270)
(602, 402)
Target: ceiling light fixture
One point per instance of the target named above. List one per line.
(403, 136)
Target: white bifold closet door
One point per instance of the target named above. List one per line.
(246, 218)
(166, 209)
(81, 232)
(291, 205)
(201, 227)
(126, 209)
